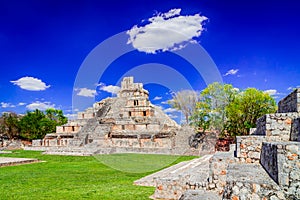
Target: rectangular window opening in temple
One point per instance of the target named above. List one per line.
(136, 102)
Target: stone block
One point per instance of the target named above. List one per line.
(281, 160)
(290, 103)
(37, 143)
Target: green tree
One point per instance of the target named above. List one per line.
(201, 119)
(56, 115)
(36, 124)
(245, 109)
(31, 126)
(218, 96)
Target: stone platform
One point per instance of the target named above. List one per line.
(171, 182)
(6, 161)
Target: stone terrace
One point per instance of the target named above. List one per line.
(6, 161)
(265, 165)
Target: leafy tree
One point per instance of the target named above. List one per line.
(246, 108)
(217, 96)
(30, 125)
(201, 117)
(185, 101)
(36, 124)
(56, 115)
(232, 112)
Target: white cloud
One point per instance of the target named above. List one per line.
(40, 105)
(7, 105)
(172, 116)
(30, 83)
(168, 31)
(170, 110)
(231, 72)
(157, 98)
(85, 92)
(110, 88)
(271, 92)
(21, 104)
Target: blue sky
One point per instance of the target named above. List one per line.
(47, 48)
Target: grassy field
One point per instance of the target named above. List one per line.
(72, 177)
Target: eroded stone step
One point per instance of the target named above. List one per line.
(180, 172)
(250, 181)
(200, 195)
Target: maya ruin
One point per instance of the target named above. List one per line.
(263, 165)
(128, 123)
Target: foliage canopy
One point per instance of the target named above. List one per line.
(230, 111)
(33, 125)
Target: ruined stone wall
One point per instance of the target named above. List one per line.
(61, 142)
(248, 148)
(36, 143)
(67, 129)
(282, 162)
(172, 189)
(143, 143)
(218, 170)
(295, 134)
(126, 128)
(85, 115)
(138, 102)
(278, 124)
(290, 103)
(139, 113)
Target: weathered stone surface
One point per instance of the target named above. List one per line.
(290, 103)
(6, 161)
(200, 195)
(247, 181)
(280, 160)
(278, 125)
(126, 123)
(266, 166)
(172, 182)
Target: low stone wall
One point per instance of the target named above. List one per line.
(248, 148)
(282, 162)
(143, 143)
(295, 134)
(290, 103)
(269, 159)
(37, 143)
(278, 124)
(171, 188)
(218, 170)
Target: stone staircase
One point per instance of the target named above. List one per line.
(173, 181)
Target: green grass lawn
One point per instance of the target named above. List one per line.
(72, 177)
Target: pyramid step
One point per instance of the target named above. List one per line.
(180, 171)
